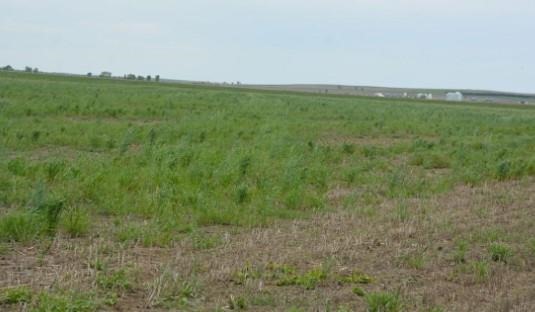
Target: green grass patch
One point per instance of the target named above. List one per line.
(179, 157)
(500, 252)
(16, 295)
(384, 302)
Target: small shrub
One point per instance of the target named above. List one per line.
(383, 302)
(500, 252)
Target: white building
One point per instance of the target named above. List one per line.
(454, 96)
(379, 94)
(424, 96)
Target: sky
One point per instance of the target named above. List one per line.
(476, 44)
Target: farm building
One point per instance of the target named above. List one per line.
(454, 96)
(424, 96)
(379, 94)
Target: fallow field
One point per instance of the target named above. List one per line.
(134, 196)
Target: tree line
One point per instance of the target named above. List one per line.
(106, 74)
(103, 74)
(27, 69)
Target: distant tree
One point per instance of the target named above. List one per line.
(157, 78)
(28, 69)
(131, 76)
(89, 74)
(140, 78)
(149, 78)
(36, 70)
(105, 74)
(8, 67)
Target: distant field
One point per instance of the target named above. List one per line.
(118, 195)
(473, 96)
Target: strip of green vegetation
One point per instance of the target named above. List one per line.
(49, 301)
(173, 158)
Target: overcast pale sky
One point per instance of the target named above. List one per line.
(486, 44)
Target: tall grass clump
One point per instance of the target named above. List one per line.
(21, 227)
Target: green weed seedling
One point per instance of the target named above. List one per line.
(236, 303)
(500, 252)
(247, 273)
(119, 280)
(460, 252)
(383, 302)
(359, 291)
(355, 278)
(286, 276)
(481, 270)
